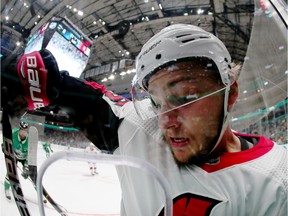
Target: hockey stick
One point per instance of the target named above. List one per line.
(32, 163)
(109, 159)
(11, 165)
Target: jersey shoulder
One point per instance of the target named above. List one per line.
(262, 151)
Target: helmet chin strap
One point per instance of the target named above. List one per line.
(225, 119)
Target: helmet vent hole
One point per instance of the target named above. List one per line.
(158, 56)
(194, 38)
(185, 41)
(142, 67)
(179, 36)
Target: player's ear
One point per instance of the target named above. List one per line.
(233, 95)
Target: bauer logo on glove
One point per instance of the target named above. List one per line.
(33, 75)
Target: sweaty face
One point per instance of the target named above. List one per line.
(188, 99)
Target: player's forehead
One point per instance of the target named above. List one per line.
(191, 71)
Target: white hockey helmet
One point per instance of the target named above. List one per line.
(173, 44)
(180, 41)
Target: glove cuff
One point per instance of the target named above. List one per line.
(97, 86)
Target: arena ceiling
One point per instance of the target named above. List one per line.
(119, 28)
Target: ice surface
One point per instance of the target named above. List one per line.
(72, 186)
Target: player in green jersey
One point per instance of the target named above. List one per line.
(47, 149)
(20, 147)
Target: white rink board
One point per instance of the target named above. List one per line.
(71, 185)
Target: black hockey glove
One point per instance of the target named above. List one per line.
(34, 81)
(24, 81)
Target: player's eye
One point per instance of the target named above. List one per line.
(173, 102)
(178, 101)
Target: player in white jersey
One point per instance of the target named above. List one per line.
(184, 89)
(92, 165)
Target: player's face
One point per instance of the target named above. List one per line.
(190, 128)
(22, 134)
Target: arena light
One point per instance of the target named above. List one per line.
(200, 11)
(104, 80)
(111, 77)
(128, 71)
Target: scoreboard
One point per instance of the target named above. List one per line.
(68, 44)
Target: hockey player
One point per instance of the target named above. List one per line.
(185, 75)
(20, 147)
(92, 165)
(47, 148)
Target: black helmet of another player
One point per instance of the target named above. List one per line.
(23, 125)
(22, 134)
